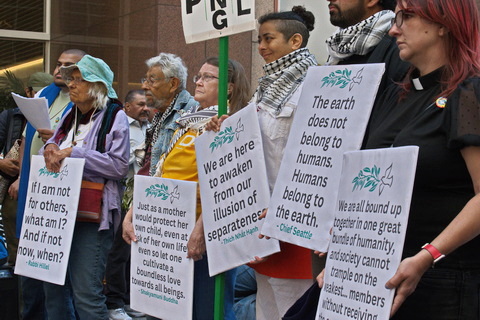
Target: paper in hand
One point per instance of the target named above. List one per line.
(35, 110)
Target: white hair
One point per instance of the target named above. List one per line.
(172, 67)
(98, 91)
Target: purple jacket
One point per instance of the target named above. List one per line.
(108, 167)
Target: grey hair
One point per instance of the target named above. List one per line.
(98, 91)
(172, 67)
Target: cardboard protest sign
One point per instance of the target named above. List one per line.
(234, 190)
(206, 19)
(331, 118)
(49, 220)
(161, 275)
(371, 216)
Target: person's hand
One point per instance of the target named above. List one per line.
(319, 253)
(9, 166)
(128, 232)
(54, 156)
(215, 123)
(407, 277)
(260, 217)
(321, 278)
(257, 260)
(196, 244)
(13, 189)
(45, 134)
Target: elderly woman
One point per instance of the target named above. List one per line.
(179, 162)
(437, 109)
(96, 129)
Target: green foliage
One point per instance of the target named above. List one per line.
(9, 83)
(128, 194)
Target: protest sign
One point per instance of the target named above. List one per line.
(331, 118)
(161, 275)
(234, 189)
(49, 220)
(208, 19)
(371, 216)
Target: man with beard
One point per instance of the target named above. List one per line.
(165, 90)
(363, 37)
(59, 103)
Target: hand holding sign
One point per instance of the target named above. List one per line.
(331, 119)
(234, 190)
(49, 220)
(368, 234)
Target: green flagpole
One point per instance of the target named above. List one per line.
(222, 109)
(223, 76)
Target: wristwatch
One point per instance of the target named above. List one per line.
(436, 255)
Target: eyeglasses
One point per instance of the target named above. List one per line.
(402, 15)
(76, 81)
(204, 78)
(151, 80)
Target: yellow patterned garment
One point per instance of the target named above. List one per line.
(181, 162)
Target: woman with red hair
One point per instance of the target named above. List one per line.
(437, 108)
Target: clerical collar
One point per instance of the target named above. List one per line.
(427, 81)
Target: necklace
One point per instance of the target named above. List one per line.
(76, 132)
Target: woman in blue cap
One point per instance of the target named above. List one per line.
(96, 129)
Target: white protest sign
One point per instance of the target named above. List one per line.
(331, 118)
(234, 189)
(207, 19)
(371, 216)
(161, 275)
(49, 220)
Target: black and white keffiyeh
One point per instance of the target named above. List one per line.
(196, 119)
(158, 119)
(360, 38)
(282, 78)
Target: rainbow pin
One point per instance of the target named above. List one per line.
(441, 102)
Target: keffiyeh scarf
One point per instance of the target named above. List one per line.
(282, 78)
(196, 119)
(360, 38)
(158, 119)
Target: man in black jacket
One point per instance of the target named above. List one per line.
(363, 37)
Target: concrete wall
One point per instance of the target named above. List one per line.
(323, 28)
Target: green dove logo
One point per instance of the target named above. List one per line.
(369, 178)
(226, 136)
(342, 78)
(161, 191)
(62, 174)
